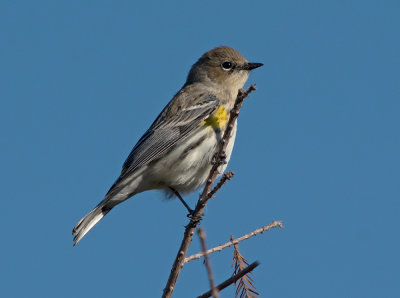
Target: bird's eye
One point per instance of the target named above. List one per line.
(226, 65)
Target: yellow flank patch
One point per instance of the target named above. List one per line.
(218, 119)
(123, 171)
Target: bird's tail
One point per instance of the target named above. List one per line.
(90, 220)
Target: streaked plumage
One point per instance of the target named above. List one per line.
(177, 150)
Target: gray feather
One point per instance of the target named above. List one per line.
(164, 133)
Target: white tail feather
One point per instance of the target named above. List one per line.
(87, 223)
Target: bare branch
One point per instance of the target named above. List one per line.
(232, 279)
(222, 181)
(201, 203)
(202, 237)
(274, 224)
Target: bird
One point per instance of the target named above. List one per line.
(176, 153)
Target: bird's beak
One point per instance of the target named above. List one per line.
(250, 66)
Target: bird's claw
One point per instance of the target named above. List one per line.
(219, 159)
(196, 218)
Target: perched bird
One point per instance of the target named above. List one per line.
(175, 154)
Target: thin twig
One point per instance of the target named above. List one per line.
(202, 237)
(274, 224)
(222, 181)
(232, 279)
(201, 203)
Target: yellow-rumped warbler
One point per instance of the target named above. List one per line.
(176, 152)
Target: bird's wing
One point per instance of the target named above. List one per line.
(165, 133)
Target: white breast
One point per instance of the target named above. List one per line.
(186, 170)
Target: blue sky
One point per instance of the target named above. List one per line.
(317, 146)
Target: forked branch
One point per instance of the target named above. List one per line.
(205, 195)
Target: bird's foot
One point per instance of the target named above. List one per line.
(195, 218)
(219, 159)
